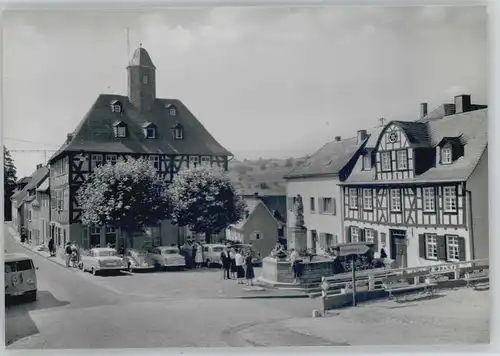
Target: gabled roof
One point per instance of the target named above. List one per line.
(471, 127)
(24, 180)
(94, 133)
(36, 178)
(251, 205)
(44, 185)
(328, 160)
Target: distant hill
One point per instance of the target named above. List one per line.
(263, 176)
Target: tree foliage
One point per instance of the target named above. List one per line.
(10, 179)
(204, 199)
(129, 194)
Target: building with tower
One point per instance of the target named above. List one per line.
(138, 125)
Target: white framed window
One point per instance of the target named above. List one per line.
(450, 199)
(205, 161)
(95, 230)
(367, 162)
(95, 161)
(446, 155)
(353, 198)
(117, 108)
(369, 235)
(256, 235)
(312, 204)
(111, 158)
(327, 206)
(193, 161)
(150, 132)
(452, 248)
(402, 159)
(155, 160)
(367, 199)
(330, 240)
(429, 199)
(110, 230)
(395, 200)
(121, 131)
(431, 252)
(385, 159)
(172, 112)
(144, 79)
(354, 234)
(179, 134)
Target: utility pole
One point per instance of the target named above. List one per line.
(128, 44)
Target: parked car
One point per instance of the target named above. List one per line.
(136, 259)
(167, 256)
(20, 277)
(211, 253)
(256, 257)
(102, 259)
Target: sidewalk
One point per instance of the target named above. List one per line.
(45, 253)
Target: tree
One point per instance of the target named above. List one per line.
(204, 199)
(9, 183)
(129, 195)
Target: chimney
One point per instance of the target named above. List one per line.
(338, 138)
(69, 138)
(361, 136)
(423, 110)
(462, 103)
(38, 166)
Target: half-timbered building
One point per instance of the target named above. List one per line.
(316, 180)
(138, 125)
(420, 188)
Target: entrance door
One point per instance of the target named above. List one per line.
(398, 248)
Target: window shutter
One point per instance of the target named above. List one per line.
(441, 248)
(375, 240)
(85, 237)
(290, 204)
(320, 205)
(421, 245)
(322, 239)
(348, 234)
(461, 249)
(335, 240)
(362, 235)
(334, 206)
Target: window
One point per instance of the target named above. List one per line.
(155, 160)
(385, 157)
(329, 240)
(172, 112)
(395, 200)
(111, 158)
(446, 155)
(450, 199)
(121, 131)
(116, 108)
(429, 199)
(96, 161)
(367, 199)
(431, 247)
(452, 248)
(150, 132)
(205, 161)
(354, 234)
(60, 200)
(369, 235)
(95, 230)
(367, 161)
(312, 204)
(144, 79)
(353, 198)
(178, 133)
(110, 230)
(291, 203)
(327, 206)
(402, 159)
(193, 161)
(256, 235)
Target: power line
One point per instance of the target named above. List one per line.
(26, 141)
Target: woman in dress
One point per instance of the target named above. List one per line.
(232, 261)
(249, 273)
(199, 257)
(240, 271)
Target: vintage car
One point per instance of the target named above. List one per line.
(256, 258)
(20, 277)
(211, 254)
(167, 256)
(136, 259)
(102, 259)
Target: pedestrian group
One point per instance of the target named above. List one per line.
(237, 264)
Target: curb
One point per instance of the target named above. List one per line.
(289, 296)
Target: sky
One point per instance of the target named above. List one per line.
(266, 82)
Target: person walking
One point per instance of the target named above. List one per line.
(249, 272)
(239, 261)
(68, 253)
(198, 257)
(51, 247)
(232, 263)
(226, 263)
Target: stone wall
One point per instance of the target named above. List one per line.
(278, 271)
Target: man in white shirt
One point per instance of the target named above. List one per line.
(240, 272)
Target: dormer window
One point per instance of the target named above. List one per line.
(367, 161)
(446, 155)
(120, 129)
(116, 106)
(178, 132)
(149, 130)
(172, 112)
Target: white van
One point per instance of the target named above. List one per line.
(20, 276)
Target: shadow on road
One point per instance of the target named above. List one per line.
(18, 322)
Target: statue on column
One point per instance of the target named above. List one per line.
(298, 210)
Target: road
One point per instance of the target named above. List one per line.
(77, 310)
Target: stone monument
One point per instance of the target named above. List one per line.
(297, 232)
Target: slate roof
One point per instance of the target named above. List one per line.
(328, 160)
(36, 178)
(24, 180)
(141, 58)
(95, 133)
(44, 186)
(471, 127)
(251, 205)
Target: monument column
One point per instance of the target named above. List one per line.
(297, 232)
